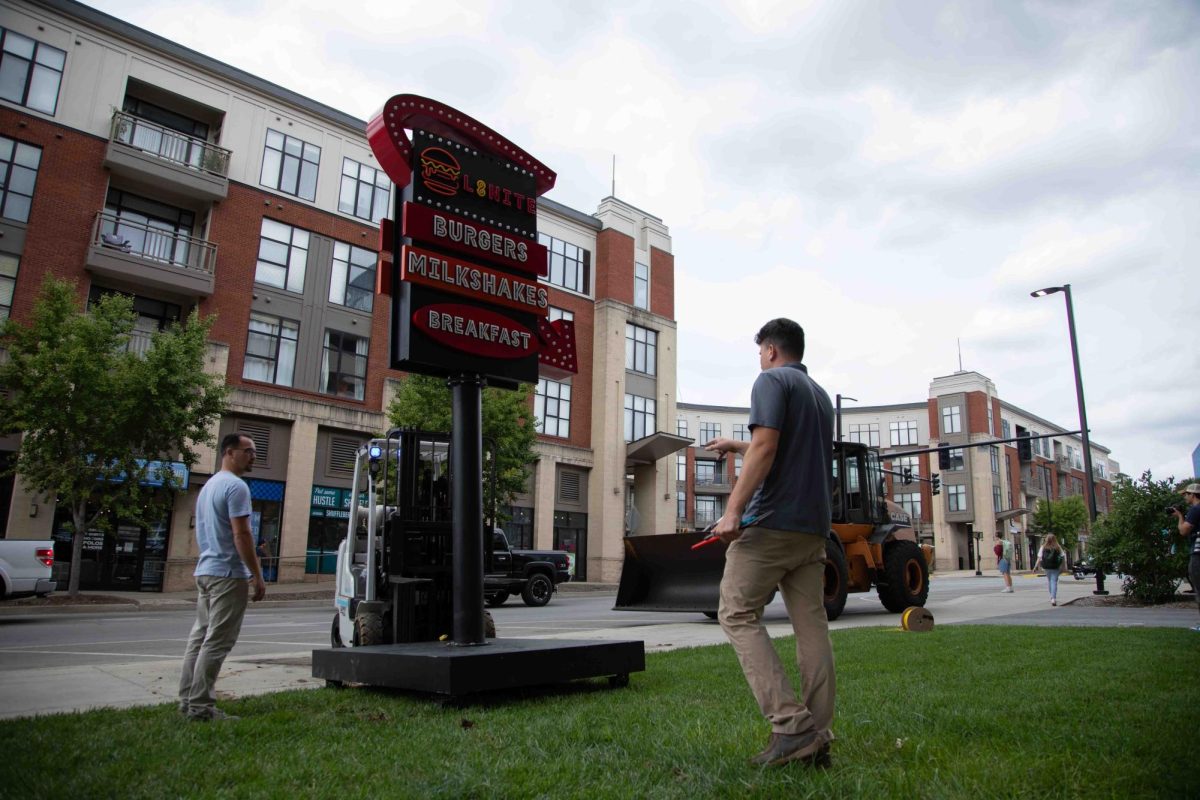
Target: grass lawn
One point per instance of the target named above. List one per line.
(960, 712)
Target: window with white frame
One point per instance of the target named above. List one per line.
(997, 502)
(364, 192)
(709, 431)
(570, 266)
(641, 285)
(952, 419)
(641, 349)
(957, 459)
(681, 427)
(290, 165)
(1076, 457)
(737, 466)
(352, 280)
(552, 407)
(706, 511)
(30, 71)
(956, 498)
(991, 420)
(681, 467)
(9, 265)
(910, 463)
(282, 256)
(344, 366)
(554, 314)
(741, 432)
(995, 456)
(1005, 429)
(19, 164)
(910, 502)
(865, 433)
(271, 349)
(903, 432)
(639, 417)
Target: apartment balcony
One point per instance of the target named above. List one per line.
(702, 521)
(167, 159)
(717, 485)
(136, 255)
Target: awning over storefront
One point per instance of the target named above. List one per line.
(1012, 513)
(651, 448)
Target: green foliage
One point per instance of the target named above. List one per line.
(508, 426)
(93, 412)
(683, 729)
(1140, 540)
(1064, 518)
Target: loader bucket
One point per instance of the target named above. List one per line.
(663, 573)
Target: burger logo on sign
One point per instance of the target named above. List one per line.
(440, 171)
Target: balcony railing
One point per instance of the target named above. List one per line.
(145, 240)
(169, 145)
(706, 519)
(720, 481)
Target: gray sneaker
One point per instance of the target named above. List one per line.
(211, 715)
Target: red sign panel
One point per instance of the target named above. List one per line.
(475, 330)
(427, 226)
(452, 274)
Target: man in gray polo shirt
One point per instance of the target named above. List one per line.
(227, 567)
(784, 482)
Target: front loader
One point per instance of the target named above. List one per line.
(871, 544)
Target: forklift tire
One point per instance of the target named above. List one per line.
(837, 581)
(497, 599)
(368, 629)
(907, 577)
(335, 635)
(489, 625)
(537, 590)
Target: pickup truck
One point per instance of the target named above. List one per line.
(533, 574)
(25, 566)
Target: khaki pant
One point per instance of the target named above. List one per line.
(220, 608)
(757, 562)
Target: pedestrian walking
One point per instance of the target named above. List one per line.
(786, 473)
(1050, 557)
(227, 567)
(1189, 525)
(1004, 555)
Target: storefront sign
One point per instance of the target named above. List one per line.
(474, 239)
(475, 330)
(451, 273)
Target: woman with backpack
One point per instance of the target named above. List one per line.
(1051, 558)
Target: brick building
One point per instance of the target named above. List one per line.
(132, 164)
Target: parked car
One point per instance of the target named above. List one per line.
(1082, 569)
(25, 566)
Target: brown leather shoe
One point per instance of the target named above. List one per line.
(810, 748)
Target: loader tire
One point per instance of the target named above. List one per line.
(495, 600)
(368, 629)
(537, 590)
(335, 635)
(489, 625)
(906, 575)
(837, 581)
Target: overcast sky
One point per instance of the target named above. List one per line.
(897, 177)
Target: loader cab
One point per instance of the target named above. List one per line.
(858, 495)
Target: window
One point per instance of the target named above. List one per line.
(709, 431)
(991, 420)
(30, 72)
(555, 314)
(639, 417)
(956, 497)
(741, 432)
(737, 466)
(903, 432)
(19, 164)
(951, 419)
(364, 192)
(152, 316)
(9, 264)
(282, 256)
(995, 454)
(641, 349)
(1005, 429)
(271, 349)
(706, 473)
(641, 286)
(865, 433)
(290, 165)
(910, 502)
(570, 266)
(681, 467)
(552, 407)
(352, 283)
(681, 427)
(345, 365)
(151, 229)
(997, 504)
(910, 463)
(1076, 457)
(706, 511)
(956, 459)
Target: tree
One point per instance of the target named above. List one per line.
(94, 414)
(1139, 540)
(1064, 518)
(508, 426)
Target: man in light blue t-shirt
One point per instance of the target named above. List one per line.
(226, 568)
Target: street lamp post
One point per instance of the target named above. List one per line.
(1089, 478)
(837, 432)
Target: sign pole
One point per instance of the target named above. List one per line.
(466, 487)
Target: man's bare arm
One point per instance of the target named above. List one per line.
(759, 457)
(243, 540)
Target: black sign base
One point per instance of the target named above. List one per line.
(454, 670)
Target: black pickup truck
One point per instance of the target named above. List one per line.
(531, 573)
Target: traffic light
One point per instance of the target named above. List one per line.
(943, 458)
(907, 477)
(1024, 450)
(935, 483)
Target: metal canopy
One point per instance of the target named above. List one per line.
(651, 448)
